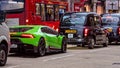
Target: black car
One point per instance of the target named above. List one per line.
(111, 15)
(112, 25)
(83, 28)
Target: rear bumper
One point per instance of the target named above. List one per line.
(18, 46)
(75, 40)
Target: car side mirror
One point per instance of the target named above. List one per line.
(2, 16)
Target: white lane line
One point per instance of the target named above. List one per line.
(54, 58)
(13, 66)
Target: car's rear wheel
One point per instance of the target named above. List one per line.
(3, 54)
(83, 44)
(109, 41)
(91, 43)
(106, 42)
(41, 47)
(64, 46)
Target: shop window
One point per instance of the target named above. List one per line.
(50, 13)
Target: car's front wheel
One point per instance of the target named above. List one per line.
(64, 46)
(41, 47)
(3, 54)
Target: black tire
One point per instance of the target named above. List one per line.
(109, 41)
(3, 54)
(83, 44)
(64, 46)
(106, 42)
(91, 43)
(78, 45)
(41, 47)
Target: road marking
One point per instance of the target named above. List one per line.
(13, 66)
(54, 58)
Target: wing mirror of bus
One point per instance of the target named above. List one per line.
(2, 16)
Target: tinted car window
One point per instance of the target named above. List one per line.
(22, 29)
(49, 30)
(110, 21)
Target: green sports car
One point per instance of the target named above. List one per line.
(36, 38)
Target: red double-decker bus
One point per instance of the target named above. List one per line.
(34, 12)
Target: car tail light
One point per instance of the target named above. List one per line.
(119, 30)
(85, 32)
(27, 36)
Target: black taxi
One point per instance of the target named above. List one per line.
(83, 28)
(111, 22)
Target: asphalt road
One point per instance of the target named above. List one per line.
(76, 57)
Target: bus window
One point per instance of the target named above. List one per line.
(61, 10)
(50, 13)
(42, 12)
(56, 12)
(37, 9)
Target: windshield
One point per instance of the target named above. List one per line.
(12, 5)
(110, 21)
(73, 20)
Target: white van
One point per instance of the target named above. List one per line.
(4, 39)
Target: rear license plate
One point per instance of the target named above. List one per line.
(70, 31)
(70, 35)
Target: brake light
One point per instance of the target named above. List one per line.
(27, 36)
(119, 30)
(85, 32)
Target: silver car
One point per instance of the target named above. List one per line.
(4, 39)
